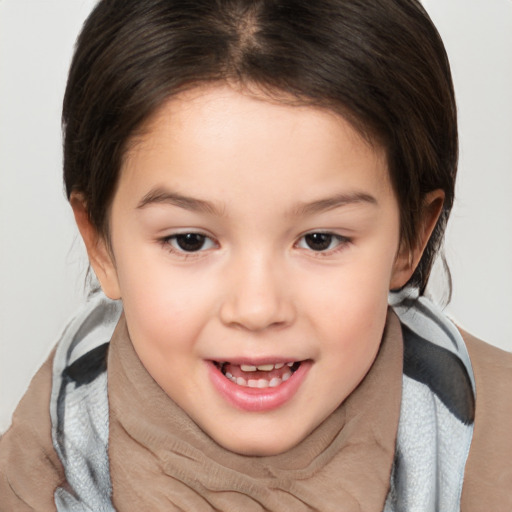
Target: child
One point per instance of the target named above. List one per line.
(251, 179)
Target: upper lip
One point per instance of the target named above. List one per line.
(257, 361)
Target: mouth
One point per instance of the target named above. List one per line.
(261, 376)
(261, 386)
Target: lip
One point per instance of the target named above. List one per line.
(258, 361)
(256, 399)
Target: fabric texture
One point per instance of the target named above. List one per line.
(437, 413)
(434, 433)
(30, 469)
(488, 475)
(345, 462)
(79, 407)
(351, 459)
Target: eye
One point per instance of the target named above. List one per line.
(320, 242)
(190, 242)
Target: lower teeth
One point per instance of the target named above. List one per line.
(259, 383)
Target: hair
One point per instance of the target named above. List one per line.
(381, 64)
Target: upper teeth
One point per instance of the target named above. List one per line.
(262, 367)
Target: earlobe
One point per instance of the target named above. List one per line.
(408, 258)
(403, 268)
(98, 252)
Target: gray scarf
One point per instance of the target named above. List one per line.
(434, 431)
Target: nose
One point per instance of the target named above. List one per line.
(257, 297)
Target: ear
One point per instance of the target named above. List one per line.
(100, 256)
(408, 258)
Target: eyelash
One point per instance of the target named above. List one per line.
(341, 243)
(167, 243)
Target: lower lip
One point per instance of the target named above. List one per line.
(257, 399)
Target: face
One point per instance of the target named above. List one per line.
(254, 244)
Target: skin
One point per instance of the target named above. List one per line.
(265, 175)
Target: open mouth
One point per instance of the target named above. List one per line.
(258, 386)
(262, 376)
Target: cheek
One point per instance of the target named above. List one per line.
(358, 286)
(162, 303)
(352, 334)
(354, 327)
(350, 307)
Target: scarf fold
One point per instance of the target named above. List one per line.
(437, 412)
(135, 449)
(346, 460)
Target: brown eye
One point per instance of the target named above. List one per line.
(318, 241)
(189, 242)
(322, 241)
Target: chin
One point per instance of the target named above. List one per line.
(256, 450)
(258, 446)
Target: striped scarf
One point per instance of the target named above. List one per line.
(437, 408)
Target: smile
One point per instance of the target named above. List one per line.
(258, 387)
(270, 375)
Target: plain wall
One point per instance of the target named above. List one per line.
(43, 263)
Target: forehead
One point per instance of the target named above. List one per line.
(219, 137)
(210, 101)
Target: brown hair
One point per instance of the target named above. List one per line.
(380, 63)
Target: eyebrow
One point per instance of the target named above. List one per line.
(162, 196)
(337, 201)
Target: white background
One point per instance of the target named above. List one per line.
(43, 263)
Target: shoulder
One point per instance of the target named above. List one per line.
(30, 469)
(486, 355)
(493, 377)
(488, 475)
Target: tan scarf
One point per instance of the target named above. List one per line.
(161, 461)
